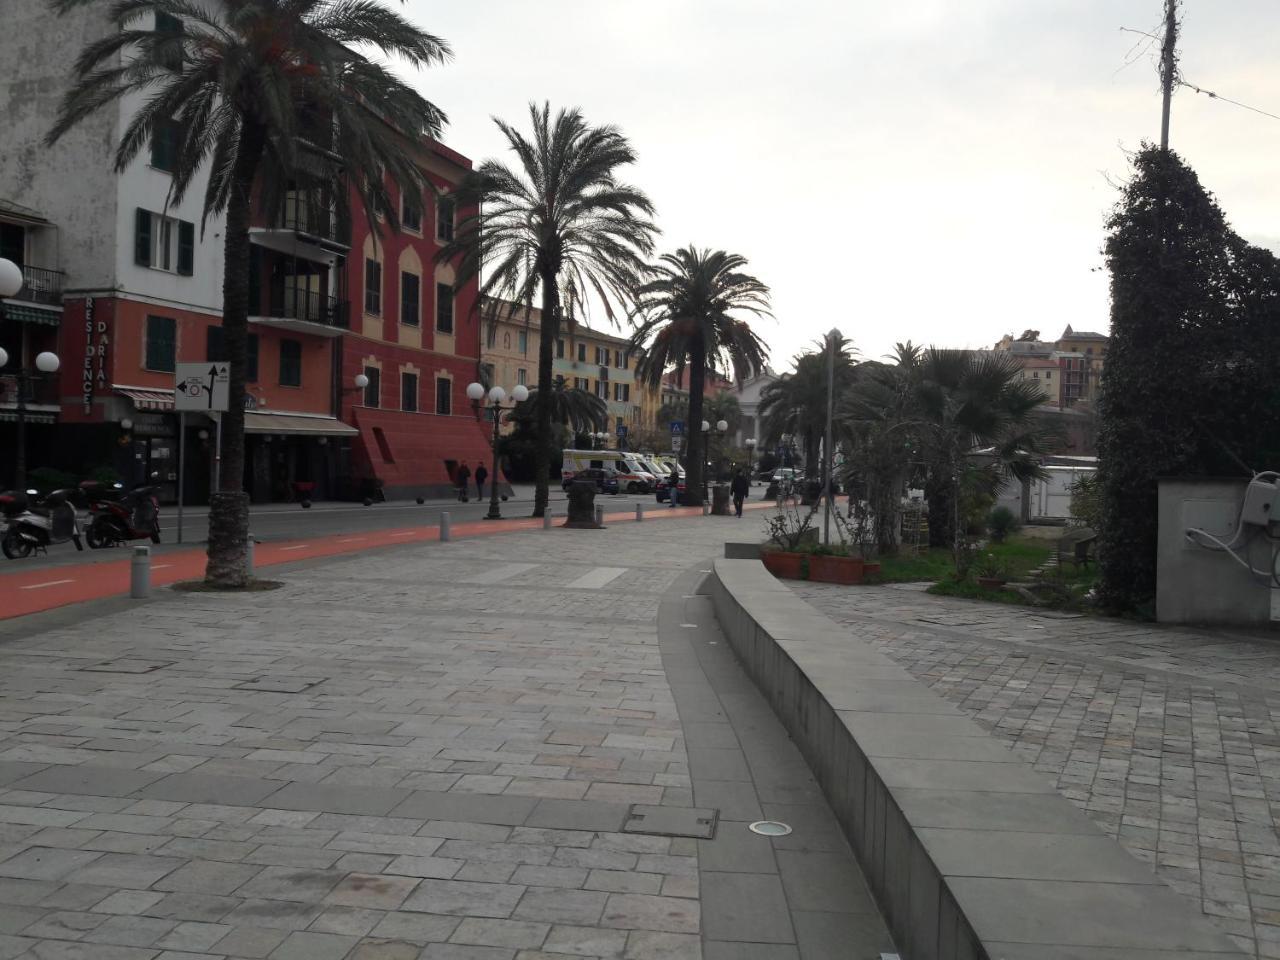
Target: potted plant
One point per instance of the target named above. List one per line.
(830, 563)
(788, 532)
(991, 573)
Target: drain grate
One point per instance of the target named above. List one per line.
(696, 822)
(280, 684)
(127, 665)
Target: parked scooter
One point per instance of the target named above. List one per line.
(118, 516)
(37, 526)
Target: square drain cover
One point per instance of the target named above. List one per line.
(127, 665)
(697, 822)
(280, 684)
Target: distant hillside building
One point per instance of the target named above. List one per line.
(1069, 368)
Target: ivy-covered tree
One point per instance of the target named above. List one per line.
(1192, 380)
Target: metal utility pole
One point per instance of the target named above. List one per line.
(832, 339)
(1168, 66)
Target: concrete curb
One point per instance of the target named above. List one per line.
(969, 852)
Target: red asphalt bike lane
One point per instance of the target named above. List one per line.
(24, 592)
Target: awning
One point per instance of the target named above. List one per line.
(10, 415)
(29, 313)
(296, 425)
(147, 399)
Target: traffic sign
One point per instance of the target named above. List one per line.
(675, 443)
(202, 386)
(622, 429)
(677, 427)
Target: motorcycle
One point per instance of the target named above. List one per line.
(37, 526)
(118, 517)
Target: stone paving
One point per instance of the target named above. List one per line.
(424, 752)
(1167, 738)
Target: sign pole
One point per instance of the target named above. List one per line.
(182, 464)
(217, 457)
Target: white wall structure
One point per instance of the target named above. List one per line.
(749, 401)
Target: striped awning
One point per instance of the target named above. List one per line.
(147, 399)
(297, 424)
(10, 415)
(30, 313)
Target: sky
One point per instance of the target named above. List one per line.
(933, 170)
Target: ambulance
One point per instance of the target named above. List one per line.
(633, 477)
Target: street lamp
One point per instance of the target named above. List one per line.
(476, 394)
(751, 456)
(11, 282)
(833, 338)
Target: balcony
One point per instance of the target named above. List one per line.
(304, 311)
(41, 399)
(38, 286)
(307, 226)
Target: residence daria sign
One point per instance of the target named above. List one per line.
(97, 341)
(202, 386)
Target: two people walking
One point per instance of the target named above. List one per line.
(463, 474)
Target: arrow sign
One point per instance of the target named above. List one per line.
(202, 386)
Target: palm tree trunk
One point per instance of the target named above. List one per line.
(542, 407)
(229, 507)
(696, 453)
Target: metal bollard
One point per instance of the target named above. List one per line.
(248, 555)
(446, 534)
(546, 520)
(140, 573)
(599, 516)
(706, 508)
(639, 512)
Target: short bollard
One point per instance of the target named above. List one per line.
(446, 533)
(546, 520)
(706, 508)
(140, 574)
(248, 555)
(639, 512)
(599, 516)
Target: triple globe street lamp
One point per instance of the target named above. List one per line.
(496, 396)
(11, 281)
(722, 427)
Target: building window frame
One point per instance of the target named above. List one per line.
(160, 349)
(410, 298)
(290, 362)
(373, 389)
(446, 219)
(408, 392)
(372, 286)
(444, 308)
(444, 396)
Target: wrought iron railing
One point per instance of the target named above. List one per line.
(298, 304)
(309, 213)
(41, 286)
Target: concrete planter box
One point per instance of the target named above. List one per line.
(824, 569)
(783, 564)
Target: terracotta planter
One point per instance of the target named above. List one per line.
(826, 569)
(783, 564)
(991, 583)
(870, 569)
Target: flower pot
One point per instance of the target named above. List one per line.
(783, 564)
(991, 583)
(825, 569)
(870, 569)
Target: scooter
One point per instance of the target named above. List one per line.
(36, 527)
(119, 517)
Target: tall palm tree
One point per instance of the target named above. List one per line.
(562, 227)
(796, 403)
(264, 92)
(579, 410)
(724, 406)
(688, 316)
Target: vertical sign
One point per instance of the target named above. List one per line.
(97, 341)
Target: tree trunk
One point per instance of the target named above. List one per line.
(696, 452)
(542, 408)
(938, 495)
(229, 507)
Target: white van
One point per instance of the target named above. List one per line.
(632, 476)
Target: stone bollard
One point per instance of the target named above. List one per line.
(706, 508)
(140, 573)
(639, 512)
(446, 533)
(248, 555)
(546, 520)
(599, 516)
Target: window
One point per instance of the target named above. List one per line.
(290, 363)
(560, 349)
(581, 383)
(444, 396)
(582, 353)
(372, 287)
(626, 360)
(373, 392)
(444, 219)
(522, 376)
(411, 213)
(602, 389)
(602, 356)
(165, 140)
(506, 341)
(163, 243)
(444, 308)
(170, 28)
(409, 392)
(604, 373)
(409, 285)
(524, 342)
(1048, 374)
(491, 336)
(622, 392)
(162, 343)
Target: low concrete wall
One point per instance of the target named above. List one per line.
(969, 852)
(1195, 584)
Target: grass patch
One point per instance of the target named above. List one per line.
(968, 590)
(1019, 556)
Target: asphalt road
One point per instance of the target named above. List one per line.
(278, 522)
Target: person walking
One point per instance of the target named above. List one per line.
(460, 478)
(739, 487)
(673, 485)
(481, 476)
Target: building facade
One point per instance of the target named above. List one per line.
(1073, 363)
(512, 337)
(599, 363)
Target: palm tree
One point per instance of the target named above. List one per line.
(579, 410)
(562, 227)
(724, 406)
(796, 403)
(686, 316)
(264, 92)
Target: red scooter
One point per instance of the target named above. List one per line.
(119, 517)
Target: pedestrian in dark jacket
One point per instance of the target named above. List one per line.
(460, 478)
(739, 487)
(673, 485)
(481, 476)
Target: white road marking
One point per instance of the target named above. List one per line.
(353, 539)
(51, 583)
(597, 578)
(405, 533)
(499, 573)
(300, 546)
(160, 566)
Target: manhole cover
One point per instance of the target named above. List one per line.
(769, 828)
(280, 684)
(127, 665)
(696, 822)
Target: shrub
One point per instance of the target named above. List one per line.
(1086, 501)
(1001, 522)
(48, 479)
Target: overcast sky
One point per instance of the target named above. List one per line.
(936, 170)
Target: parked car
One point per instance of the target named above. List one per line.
(606, 480)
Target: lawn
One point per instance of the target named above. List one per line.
(1018, 554)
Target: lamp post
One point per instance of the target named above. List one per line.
(11, 281)
(476, 394)
(751, 457)
(827, 453)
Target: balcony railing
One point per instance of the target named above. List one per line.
(309, 214)
(41, 286)
(293, 304)
(39, 391)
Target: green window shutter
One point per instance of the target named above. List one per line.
(186, 248)
(142, 238)
(162, 345)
